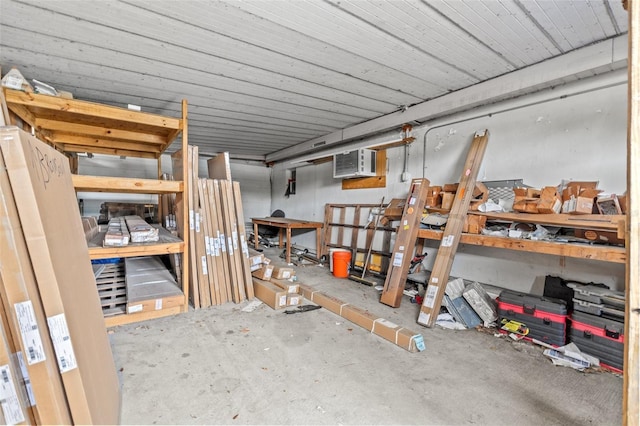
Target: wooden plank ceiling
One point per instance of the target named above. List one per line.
(262, 76)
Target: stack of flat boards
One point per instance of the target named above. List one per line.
(50, 306)
(219, 250)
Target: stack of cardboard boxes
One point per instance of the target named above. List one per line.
(274, 285)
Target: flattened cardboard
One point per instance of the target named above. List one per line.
(45, 197)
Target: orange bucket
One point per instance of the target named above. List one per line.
(341, 263)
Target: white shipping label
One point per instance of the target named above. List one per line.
(62, 345)
(245, 246)
(207, 245)
(158, 304)
(401, 248)
(430, 296)
(30, 334)
(434, 280)
(12, 411)
(134, 308)
(235, 240)
(448, 241)
(412, 201)
(216, 246)
(25, 379)
(397, 259)
(191, 225)
(197, 222)
(230, 247)
(204, 266)
(283, 300)
(7, 387)
(223, 245)
(423, 318)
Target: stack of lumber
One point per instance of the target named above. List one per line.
(219, 250)
(50, 317)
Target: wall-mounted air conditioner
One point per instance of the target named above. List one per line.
(356, 163)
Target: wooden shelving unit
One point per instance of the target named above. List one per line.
(605, 253)
(73, 126)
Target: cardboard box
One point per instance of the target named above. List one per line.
(578, 205)
(150, 285)
(473, 224)
(56, 245)
(269, 293)
(433, 201)
(294, 299)
(434, 191)
(256, 259)
(447, 200)
(287, 286)
(406, 339)
(264, 272)
(283, 273)
(533, 193)
(550, 201)
(450, 187)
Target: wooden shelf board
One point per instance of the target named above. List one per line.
(50, 113)
(123, 319)
(167, 244)
(126, 185)
(591, 221)
(580, 251)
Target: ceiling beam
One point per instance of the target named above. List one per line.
(611, 54)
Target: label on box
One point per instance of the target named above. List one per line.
(292, 289)
(62, 346)
(234, 234)
(13, 82)
(412, 201)
(434, 280)
(267, 273)
(191, 225)
(216, 246)
(283, 300)
(197, 222)
(430, 296)
(7, 388)
(230, 247)
(223, 245)
(207, 245)
(401, 248)
(245, 246)
(294, 300)
(448, 241)
(397, 259)
(286, 275)
(158, 304)
(203, 259)
(134, 308)
(30, 334)
(25, 379)
(419, 340)
(424, 318)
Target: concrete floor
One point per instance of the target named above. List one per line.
(225, 366)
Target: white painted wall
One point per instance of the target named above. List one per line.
(580, 137)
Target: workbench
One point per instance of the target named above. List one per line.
(285, 225)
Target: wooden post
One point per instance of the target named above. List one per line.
(631, 391)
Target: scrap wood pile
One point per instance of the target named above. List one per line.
(219, 252)
(56, 365)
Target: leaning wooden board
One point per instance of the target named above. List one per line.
(452, 231)
(405, 243)
(243, 240)
(46, 202)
